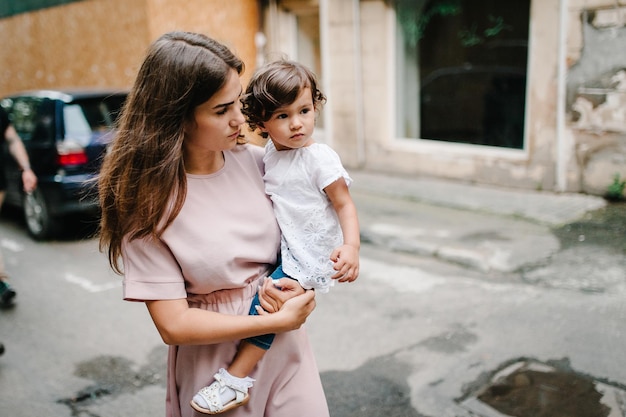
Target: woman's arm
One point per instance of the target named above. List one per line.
(178, 324)
(346, 257)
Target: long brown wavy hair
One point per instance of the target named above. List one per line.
(142, 183)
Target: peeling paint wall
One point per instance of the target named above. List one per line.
(600, 58)
(596, 93)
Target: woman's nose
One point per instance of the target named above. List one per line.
(238, 118)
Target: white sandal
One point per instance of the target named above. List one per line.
(208, 401)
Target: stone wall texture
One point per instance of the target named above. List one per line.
(100, 43)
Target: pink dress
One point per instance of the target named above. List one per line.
(215, 254)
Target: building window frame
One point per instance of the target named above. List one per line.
(418, 143)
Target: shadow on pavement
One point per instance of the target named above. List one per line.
(377, 388)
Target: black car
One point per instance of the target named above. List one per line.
(66, 133)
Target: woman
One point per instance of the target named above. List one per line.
(184, 210)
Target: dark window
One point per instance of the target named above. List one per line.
(462, 70)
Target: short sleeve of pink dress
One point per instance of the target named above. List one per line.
(215, 254)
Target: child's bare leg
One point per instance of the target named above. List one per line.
(248, 355)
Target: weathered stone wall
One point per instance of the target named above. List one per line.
(596, 87)
(102, 42)
(593, 143)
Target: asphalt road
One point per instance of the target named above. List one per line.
(414, 336)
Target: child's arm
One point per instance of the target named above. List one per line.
(346, 257)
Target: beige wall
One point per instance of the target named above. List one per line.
(344, 88)
(232, 22)
(102, 42)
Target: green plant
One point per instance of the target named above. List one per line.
(415, 15)
(615, 191)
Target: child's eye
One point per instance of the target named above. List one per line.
(281, 116)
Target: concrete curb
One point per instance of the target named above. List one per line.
(542, 207)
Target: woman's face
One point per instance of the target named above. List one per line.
(217, 122)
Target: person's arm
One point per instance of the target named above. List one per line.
(346, 257)
(18, 151)
(178, 324)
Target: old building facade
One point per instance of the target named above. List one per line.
(524, 93)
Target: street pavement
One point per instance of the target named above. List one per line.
(482, 227)
(458, 283)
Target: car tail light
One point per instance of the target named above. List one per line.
(71, 154)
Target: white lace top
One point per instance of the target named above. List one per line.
(295, 180)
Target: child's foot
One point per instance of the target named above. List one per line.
(225, 393)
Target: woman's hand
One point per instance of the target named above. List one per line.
(285, 297)
(274, 293)
(295, 311)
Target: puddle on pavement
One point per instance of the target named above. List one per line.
(534, 389)
(114, 375)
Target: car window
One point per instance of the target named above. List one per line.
(32, 117)
(87, 118)
(77, 128)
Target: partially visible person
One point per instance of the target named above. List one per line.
(29, 181)
(186, 220)
(309, 188)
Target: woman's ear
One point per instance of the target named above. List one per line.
(188, 125)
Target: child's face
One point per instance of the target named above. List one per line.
(291, 126)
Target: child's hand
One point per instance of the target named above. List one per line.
(346, 259)
(274, 293)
